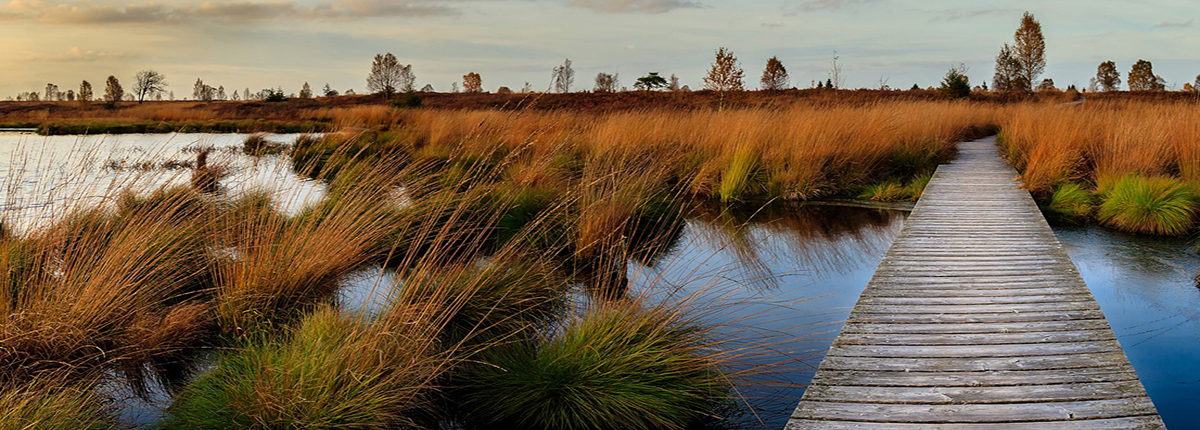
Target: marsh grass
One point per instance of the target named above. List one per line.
(617, 366)
(48, 405)
(1069, 203)
(1149, 205)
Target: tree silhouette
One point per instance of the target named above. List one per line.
(386, 75)
(775, 76)
(956, 84)
(1009, 76)
(1142, 78)
(147, 83)
(564, 77)
(472, 83)
(1029, 48)
(650, 82)
(1107, 77)
(113, 92)
(306, 91)
(725, 74)
(85, 92)
(606, 83)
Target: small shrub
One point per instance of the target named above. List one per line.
(1151, 205)
(409, 100)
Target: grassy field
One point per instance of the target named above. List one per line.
(497, 220)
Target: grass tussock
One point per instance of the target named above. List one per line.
(1149, 205)
(1070, 203)
(44, 405)
(617, 366)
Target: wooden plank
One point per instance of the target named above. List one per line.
(977, 395)
(975, 318)
(977, 413)
(1146, 422)
(977, 364)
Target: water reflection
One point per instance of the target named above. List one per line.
(785, 276)
(1146, 289)
(46, 176)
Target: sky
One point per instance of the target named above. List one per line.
(283, 43)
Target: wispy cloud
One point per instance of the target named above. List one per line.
(965, 14)
(76, 55)
(151, 12)
(818, 5)
(1175, 24)
(636, 6)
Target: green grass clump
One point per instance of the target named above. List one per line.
(1149, 205)
(334, 372)
(887, 191)
(743, 177)
(1070, 203)
(617, 367)
(916, 186)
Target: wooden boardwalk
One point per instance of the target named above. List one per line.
(976, 318)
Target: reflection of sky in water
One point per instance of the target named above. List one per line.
(1145, 288)
(45, 176)
(785, 280)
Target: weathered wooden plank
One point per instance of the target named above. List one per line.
(1145, 422)
(1006, 350)
(1017, 327)
(976, 413)
(977, 395)
(977, 364)
(976, 338)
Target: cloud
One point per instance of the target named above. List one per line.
(1177, 24)
(815, 5)
(963, 14)
(636, 6)
(76, 55)
(150, 12)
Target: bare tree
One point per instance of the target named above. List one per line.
(673, 83)
(113, 92)
(408, 80)
(1009, 76)
(328, 91)
(385, 75)
(85, 92)
(472, 83)
(836, 80)
(220, 93)
(1029, 48)
(70, 95)
(775, 76)
(147, 83)
(606, 83)
(1107, 77)
(564, 77)
(51, 93)
(725, 74)
(306, 91)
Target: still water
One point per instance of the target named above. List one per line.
(788, 275)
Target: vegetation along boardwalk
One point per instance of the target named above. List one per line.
(976, 318)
